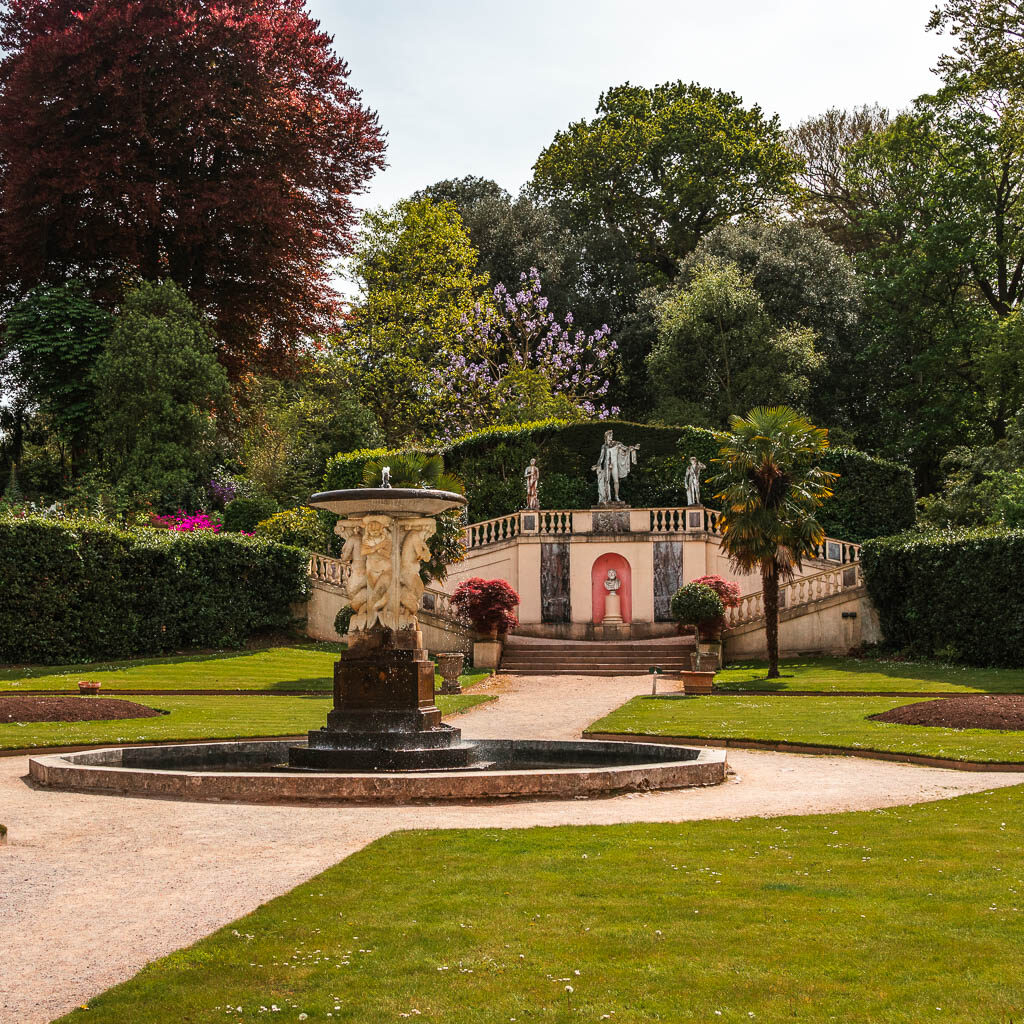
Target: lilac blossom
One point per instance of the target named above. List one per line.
(519, 333)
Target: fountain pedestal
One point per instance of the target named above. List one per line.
(384, 714)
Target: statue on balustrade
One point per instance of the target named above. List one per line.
(613, 465)
(532, 477)
(693, 472)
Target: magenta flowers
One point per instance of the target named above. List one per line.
(185, 522)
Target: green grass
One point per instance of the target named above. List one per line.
(200, 717)
(838, 675)
(824, 721)
(895, 917)
(308, 666)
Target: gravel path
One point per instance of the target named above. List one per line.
(93, 887)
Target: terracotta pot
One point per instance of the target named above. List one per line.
(88, 688)
(698, 683)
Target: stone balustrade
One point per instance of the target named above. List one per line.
(796, 592)
(324, 569)
(492, 531)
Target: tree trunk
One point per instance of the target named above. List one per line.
(770, 589)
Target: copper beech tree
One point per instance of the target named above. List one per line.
(218, 144)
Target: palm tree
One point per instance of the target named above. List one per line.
(413, 469)
(770, 490)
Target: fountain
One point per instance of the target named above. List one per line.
(384, 741)
(384, 714)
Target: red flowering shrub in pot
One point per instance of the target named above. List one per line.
(488, 605)
(729, 594)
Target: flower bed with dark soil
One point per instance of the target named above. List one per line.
(1000, 711)
(71, 709)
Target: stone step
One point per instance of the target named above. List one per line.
(595, 658)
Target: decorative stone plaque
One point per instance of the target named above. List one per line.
(611, 520)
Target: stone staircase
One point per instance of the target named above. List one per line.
(530, 656)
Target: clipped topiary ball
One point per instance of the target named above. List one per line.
(695, 604)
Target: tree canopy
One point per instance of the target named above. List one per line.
(217, 145)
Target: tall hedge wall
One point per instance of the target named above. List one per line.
(82, 591)
(950, 594)
(873, 497)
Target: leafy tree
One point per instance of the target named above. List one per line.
(823, 143)
(289, 428)
(214, 144)
(719, 350)
(158, 386)
(51, 341)
(771, 490)
(417, 280)
(662, 166)
(511, 234)
(803, 280)
(641, 183)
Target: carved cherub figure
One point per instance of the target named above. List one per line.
(415, 551)
(377, 549)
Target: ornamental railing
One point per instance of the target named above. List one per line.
(663, 521)
(796, 593)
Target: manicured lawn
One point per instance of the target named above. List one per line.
(845, 674)
(905, 915)
(825, 721)
(200, 717)
(275, 669)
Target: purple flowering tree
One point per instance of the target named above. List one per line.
(518, 361)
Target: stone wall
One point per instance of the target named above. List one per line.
(836, 624)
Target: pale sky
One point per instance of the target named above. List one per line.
(466, 87)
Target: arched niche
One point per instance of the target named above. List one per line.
(599, 573)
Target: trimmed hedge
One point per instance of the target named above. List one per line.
(873, 497)
(950, 594)
(75, 591)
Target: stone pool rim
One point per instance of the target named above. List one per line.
(645, 767)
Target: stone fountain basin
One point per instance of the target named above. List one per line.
(250, 771)
(387, 501)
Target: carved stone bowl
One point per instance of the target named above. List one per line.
(388, 501)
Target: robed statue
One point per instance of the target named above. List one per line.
(613, 466)
(693, 472)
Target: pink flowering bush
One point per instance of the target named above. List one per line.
(185, 522)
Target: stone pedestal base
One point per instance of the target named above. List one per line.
(487, 654)
(612, 630)
(384, 714)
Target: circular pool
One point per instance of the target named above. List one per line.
(256, 771)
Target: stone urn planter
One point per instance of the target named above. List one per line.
(88, 687)
(450, 666)
(697, 684)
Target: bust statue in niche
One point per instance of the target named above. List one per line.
(612, 601)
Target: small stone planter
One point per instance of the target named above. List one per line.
(450, 666)
(697, 684)
(88, 687)
(487, 653)
(710, 654)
